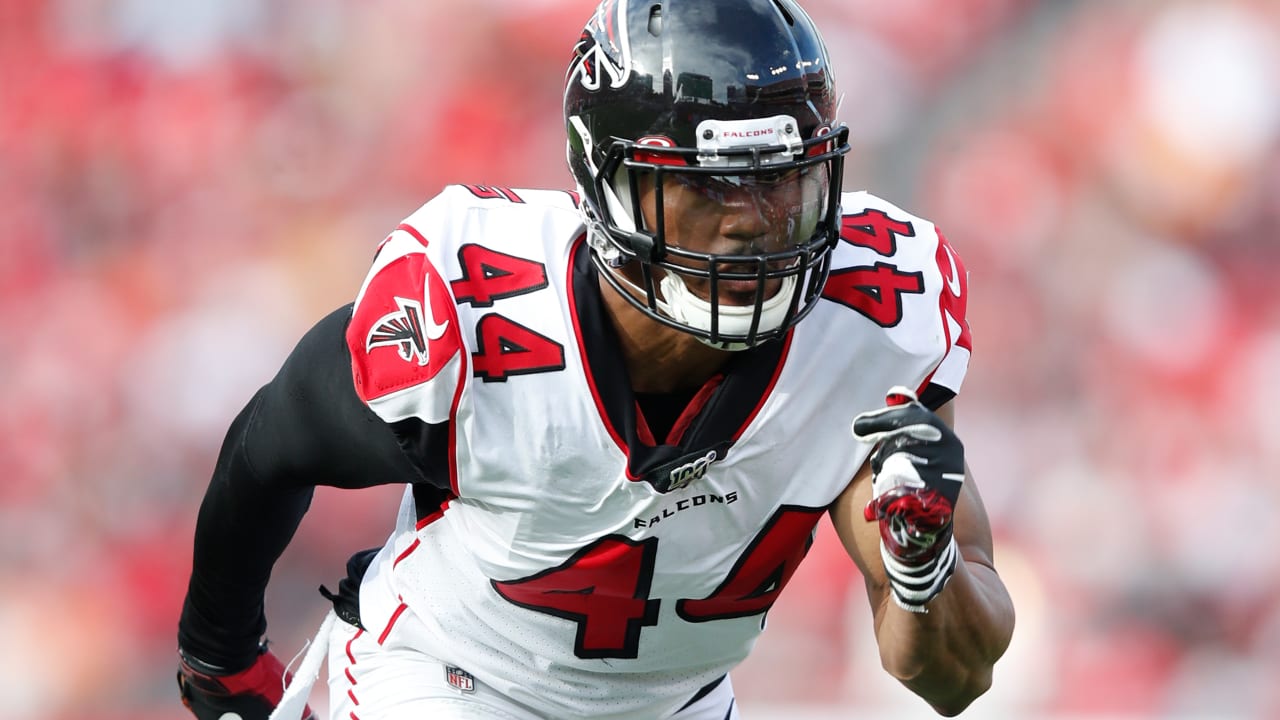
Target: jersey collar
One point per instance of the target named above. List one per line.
(717, 416)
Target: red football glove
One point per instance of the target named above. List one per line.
(250, 694)
(918, 467)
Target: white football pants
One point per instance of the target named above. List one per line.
(370, 682)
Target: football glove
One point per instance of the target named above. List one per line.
(250, 694)
(918, 469)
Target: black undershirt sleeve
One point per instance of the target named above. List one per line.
(306, 427)
(935, 396)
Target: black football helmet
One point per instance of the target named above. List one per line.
(734, 102)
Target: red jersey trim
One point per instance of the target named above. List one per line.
(953, 301)
(773, 382)
(432, 517)
(582, 351)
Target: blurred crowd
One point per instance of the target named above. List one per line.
(186, 186)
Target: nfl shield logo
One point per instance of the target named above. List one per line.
(460, 679)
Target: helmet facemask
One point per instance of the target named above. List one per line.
(748, 286)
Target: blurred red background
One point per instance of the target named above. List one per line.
(187, 186)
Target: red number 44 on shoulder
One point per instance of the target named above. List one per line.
(874, 290)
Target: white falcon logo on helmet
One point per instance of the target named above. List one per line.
(603, 49)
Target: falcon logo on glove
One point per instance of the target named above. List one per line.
(918, 469)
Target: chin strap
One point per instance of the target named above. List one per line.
(680, 304)
(683, 306)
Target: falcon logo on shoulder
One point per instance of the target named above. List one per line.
(405, 330)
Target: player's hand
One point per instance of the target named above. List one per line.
(250, 694)
(918, 469)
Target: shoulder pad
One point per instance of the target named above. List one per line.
(898, 270)
(404, 333)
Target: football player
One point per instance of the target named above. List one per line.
(620, 413)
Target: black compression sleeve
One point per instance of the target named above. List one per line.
(305, 428)
(935, 396)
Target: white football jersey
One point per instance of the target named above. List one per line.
(579, 565)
